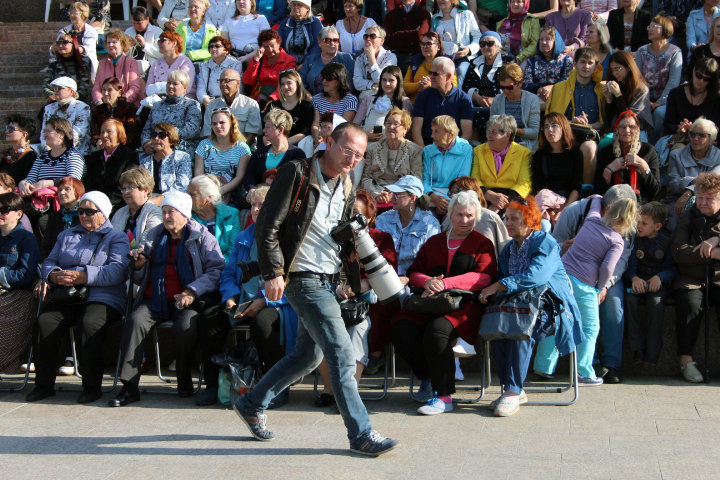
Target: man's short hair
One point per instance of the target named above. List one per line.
(448, 65)
(586, 52)
(340, 130)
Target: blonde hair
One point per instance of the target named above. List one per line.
(180, 76)
(80, 8)
(405, 118)
(622, 216)
(259, 192)
(280, 118)
(295, 77)
(140, 177)
(448, 123)
(126, 42)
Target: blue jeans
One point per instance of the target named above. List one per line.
(321, 332)
(612, 327)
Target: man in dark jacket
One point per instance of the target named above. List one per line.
(405, 27)
(307, 199)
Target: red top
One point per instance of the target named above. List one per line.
(258, 76)
(172, 280)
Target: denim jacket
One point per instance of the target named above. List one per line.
(19, 257)
(408, 240)
(697, 30)
(547, 268)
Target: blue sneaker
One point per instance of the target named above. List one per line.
(373, 444)
(255, 421)
(425, 392)
(435, 406)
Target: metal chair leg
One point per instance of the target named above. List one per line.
(572, 384)
(26, 377)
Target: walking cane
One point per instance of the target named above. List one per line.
(706, 307)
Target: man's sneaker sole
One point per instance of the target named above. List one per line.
(250, 427)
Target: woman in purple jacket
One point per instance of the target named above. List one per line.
(93, 255)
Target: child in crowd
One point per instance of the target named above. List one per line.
(590, 262)
(650, 270)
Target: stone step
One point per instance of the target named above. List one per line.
(10, 59)
(25, 48)
(33, 77)
(22, 70)
(10, 91)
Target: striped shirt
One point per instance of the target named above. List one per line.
(347, 104)
(221, 163)
(68, 164)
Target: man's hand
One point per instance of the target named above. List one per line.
(639, 285)
(253, 309)
(654, 284)
(171, 24)
(274, 289)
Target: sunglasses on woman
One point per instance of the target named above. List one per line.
(487, 44)
(88, 212)
(702, 77)
(371, 36)
(160, 135)
(5, 209)
(330, 41)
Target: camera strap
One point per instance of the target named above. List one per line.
(302, 191)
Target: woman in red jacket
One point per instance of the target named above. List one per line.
(263, 72)
(459, 258)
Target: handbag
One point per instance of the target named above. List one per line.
(512, 316)
(353, 311)
(72, 294)
(441, 303)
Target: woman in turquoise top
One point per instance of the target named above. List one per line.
(221, 220)
(196, 32)
(278, 152)
(447, 158)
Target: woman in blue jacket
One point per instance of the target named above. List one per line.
(93, 255)
(19, 257)
(531, 259)
(273, 325)
(299, 31)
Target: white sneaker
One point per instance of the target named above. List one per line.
(68, 368)
(435, 406)
(691, 373)
(24, 367)
(463, 349)
(458, 371)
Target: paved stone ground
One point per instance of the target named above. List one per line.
(647, 428)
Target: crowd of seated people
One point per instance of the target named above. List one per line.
(550, 146)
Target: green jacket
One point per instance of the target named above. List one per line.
(202, 54)
(530, 36)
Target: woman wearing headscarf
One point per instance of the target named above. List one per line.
(520, 31)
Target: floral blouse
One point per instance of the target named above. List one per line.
(540, 72)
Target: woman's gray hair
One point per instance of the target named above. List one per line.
(708, 126)
(617, 192)
(504, 123)
(603, 34)
(180, 76)
(467, 199)
(209, 187)
(326, 30)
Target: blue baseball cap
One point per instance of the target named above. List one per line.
(407, 183)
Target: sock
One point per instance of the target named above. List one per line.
(446, 398)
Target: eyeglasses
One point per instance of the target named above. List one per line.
(371, 36)
(625, 126)
(287, 71)
(653, 26)
(617, 69)
(163, 39)
(508, 87)
(330, 41)
(5, 209)
(88, 212)
(487, 44)
(160, 135)
(551, 126)
(228, 80)
(57, 88)
(348, 152)
(216, 45)
(221, 110)
(698, 134)
(702, 77)
(435, 74)
(329, 78)
(128, 189)
(427, 44)
(10, 128)
(62, 42)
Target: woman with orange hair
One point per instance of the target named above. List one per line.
(171, 45)
(531, 259)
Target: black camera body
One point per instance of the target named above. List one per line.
(345, 232)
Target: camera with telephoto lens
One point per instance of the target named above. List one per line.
(381, 276)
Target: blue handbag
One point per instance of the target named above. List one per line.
(512, 316)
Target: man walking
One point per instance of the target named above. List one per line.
(295, 250)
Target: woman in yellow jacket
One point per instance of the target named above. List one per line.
(502, 166)
(197, 32)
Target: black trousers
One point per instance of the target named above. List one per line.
(203, 321)
(93, 320)
(265, 333)
(428, 350)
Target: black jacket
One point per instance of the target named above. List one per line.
(279, 232)
(616, 26)
(104, 176)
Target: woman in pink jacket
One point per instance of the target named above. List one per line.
(119, 65)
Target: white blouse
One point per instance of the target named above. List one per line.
(353, 43)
